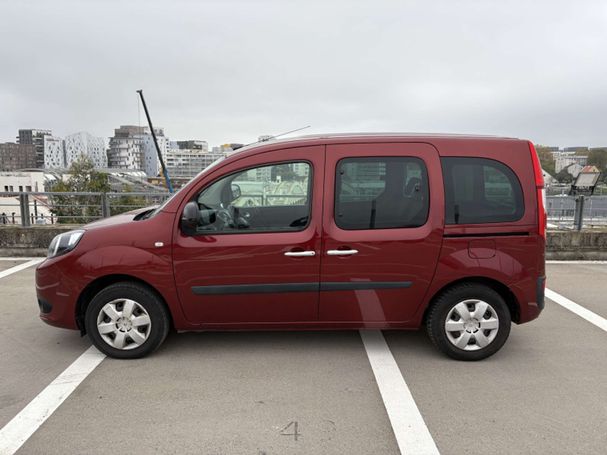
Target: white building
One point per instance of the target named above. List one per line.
(132, 147)
(23, 181)
(151, 163)
(61, 153)
(83, 144)
(54, 153)
(125, 148)
(564, 159)
(186, 163)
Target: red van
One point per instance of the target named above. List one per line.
(357, 231)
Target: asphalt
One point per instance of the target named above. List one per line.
(242, 393)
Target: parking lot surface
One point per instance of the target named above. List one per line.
(315, 392)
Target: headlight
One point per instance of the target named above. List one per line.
(64, 243)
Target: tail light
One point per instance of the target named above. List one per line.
(541, 191)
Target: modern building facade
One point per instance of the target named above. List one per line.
(61, 153)
(132, 147)
(14, 157)
(83, 144)
(35, 137)
(125, 148)
(151, 163)
(54, 153)
(186, 163)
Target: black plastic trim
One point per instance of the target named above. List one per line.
(539, 292)
(362, 285)
(254, 288)
(44, 306)
(298, 287)
(489, 234)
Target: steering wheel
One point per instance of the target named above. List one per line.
(224, 219)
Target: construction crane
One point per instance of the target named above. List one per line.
(165, 173)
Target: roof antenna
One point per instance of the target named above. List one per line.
(268, 138)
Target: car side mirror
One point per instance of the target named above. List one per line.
(236, 193)
(190, 218)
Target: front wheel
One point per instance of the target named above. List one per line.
(126, 321)
(469, 322)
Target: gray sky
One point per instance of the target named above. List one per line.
(228, 71)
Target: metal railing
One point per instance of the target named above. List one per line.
(567, 212)
(44, 208)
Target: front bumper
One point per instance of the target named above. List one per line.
(56, 295)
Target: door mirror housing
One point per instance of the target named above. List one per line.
(190, 219)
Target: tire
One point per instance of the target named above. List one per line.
(127, 321)
(456, 326)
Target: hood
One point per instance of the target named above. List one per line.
(123, 218)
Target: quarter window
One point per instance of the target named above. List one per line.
(381, 193)
(272, 198)
(479, 190)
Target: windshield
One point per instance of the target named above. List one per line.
(205, 170)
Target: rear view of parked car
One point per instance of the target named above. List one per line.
(327, 232)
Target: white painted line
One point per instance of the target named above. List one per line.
(582, 312)
(20, 258)
(24, 424)
(412, 434)
(18, 268)
(576, 262)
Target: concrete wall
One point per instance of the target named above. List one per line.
(32, 241)
(574, 245)
(569, 245)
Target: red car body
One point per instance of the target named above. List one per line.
(320, 291)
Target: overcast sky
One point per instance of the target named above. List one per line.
(228, 71)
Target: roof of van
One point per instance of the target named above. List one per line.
(351, 137)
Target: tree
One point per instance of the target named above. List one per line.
(598, 158)
(546, 158)
(564, 176)
(127, 202)
(79, 209)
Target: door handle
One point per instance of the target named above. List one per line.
(300, 254)
(341, 252)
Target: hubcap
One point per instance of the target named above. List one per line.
(124, 324)
(471, 325)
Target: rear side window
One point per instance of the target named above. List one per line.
(480, 190)
(381, 193)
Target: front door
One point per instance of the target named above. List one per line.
(382, 230)
(256, 257)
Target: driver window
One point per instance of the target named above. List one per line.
(273, 198)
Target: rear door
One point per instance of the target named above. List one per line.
(382, 230)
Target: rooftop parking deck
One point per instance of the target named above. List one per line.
(309, 392)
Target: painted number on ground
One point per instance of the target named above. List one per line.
(292, 429)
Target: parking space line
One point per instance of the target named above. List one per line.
(19, 258)
(412, 434)
(20, 267)
(14, 434)
(582, 262)
(582, 312)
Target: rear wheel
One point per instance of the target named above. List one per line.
(469, 321)
(126, 321)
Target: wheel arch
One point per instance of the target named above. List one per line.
(499, 287)
(95, 286)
